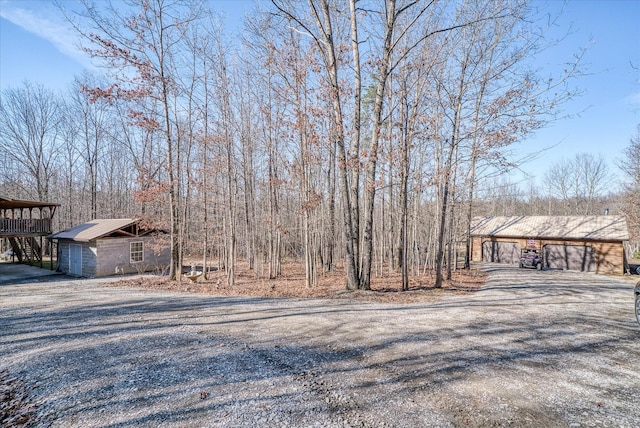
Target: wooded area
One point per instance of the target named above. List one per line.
(357, 135)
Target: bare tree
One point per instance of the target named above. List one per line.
(320, 26)
(141, 50)
(496, 98)
(29, 135)
(390, 112)
(579, 182)
(89, 122)
(630, 166)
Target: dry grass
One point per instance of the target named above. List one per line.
(384, 288)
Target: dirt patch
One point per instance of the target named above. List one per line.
(385, 288)
(16, 405)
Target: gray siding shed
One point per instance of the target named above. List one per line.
(106, 248)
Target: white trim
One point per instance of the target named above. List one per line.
(131, 252)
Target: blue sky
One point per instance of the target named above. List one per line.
(605, 117)
(37, 45)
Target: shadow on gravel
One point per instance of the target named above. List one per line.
(105, 360)
(54, 277)
(538, 349)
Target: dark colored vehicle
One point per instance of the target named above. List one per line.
(531, 258)
(636, 292)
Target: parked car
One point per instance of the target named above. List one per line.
(636, 292)
(531, 258)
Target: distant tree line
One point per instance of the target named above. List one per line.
(351, 135)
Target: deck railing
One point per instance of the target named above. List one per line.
(10, 226)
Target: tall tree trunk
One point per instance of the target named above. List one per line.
(231, 217)
(330, 234)
(175, 269)
(327, 45)
(354, 149)
(274, 229)
(372, 162)
(441, 230)
(404, 186)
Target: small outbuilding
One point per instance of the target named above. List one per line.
(581, 243)
(111, 246)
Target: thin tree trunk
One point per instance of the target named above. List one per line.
(331, 64)
(370, 174)
(404, 187)
(354, 149)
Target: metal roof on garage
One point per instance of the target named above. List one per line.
(592, 228)
(95, 229)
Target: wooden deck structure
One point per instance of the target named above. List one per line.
(24, 224)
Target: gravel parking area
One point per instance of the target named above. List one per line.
(530, 349)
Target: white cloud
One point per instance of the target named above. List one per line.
(633, 99)
(47, 23)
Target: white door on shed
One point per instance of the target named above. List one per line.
(75, 259)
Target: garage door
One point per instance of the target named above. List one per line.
(501, 252)
(569, 257)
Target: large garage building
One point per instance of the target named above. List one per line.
(582, 243)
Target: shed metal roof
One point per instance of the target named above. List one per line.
(592, 228)
(9, 203)
(94, 229)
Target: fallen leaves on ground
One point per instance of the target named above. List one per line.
(385, 287)
(16, 407)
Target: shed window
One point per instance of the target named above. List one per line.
(137, 252)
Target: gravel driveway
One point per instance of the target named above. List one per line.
(530, 349)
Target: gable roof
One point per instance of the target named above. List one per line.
(94, 229)
(592, 228)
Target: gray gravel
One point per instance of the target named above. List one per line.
(530, 349)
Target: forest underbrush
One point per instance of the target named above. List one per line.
(385, 287)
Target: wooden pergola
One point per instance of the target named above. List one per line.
(24, 224)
